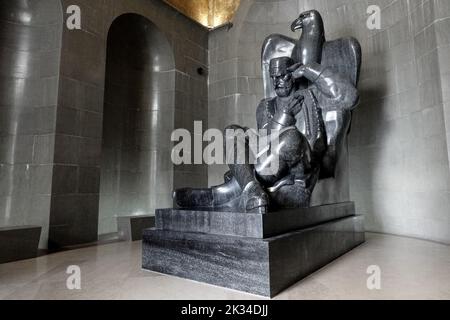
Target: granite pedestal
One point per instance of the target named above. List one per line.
(258, 254)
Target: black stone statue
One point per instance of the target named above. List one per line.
(310, 88)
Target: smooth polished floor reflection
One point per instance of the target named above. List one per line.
(410, 269)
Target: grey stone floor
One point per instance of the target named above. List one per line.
(410, 269)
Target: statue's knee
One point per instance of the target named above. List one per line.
(292, 139)
(293, 145)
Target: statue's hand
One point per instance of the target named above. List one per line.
(297, 70)
(295, 105)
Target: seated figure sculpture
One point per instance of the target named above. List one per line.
(310, 88)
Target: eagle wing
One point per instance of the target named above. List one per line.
(343, 56)
(275, 46)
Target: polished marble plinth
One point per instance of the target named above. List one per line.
(259, 265)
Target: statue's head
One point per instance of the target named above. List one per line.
(283, 81)
(307, 20)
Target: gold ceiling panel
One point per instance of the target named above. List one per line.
(210, 13)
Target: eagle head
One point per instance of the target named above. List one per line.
(307, 18)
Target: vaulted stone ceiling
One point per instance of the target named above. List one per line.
(210, 13)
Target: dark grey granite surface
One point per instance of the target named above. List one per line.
(18, 243)
(259, 266)
(247, 224)
(131, 227)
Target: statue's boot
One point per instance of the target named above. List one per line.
(229, 195)
(254, 199)
(224, 195)
(241, 190)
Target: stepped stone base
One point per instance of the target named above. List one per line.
(259, 258)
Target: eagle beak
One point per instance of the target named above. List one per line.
(297, 24)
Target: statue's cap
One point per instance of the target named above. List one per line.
(279, 66)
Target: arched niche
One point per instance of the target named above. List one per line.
(138, 119)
